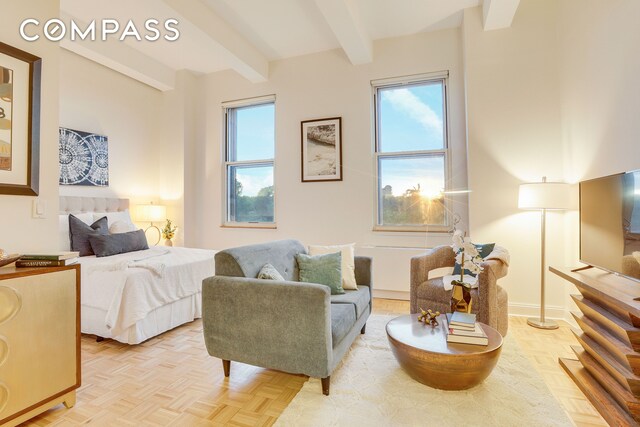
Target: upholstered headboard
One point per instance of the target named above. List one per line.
(76, 205)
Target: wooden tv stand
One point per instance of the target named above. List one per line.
(608, 366)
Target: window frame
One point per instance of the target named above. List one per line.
(408, 81)
(227, 164)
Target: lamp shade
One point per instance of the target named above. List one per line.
(151, 213)
(544, 195)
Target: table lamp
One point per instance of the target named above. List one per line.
(151, 213)
(543, 196)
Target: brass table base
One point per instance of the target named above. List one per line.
(423, 352)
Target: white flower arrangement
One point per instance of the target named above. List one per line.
(466, 254)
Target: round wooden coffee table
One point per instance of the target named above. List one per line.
(423, 352)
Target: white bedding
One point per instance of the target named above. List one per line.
(130, 286)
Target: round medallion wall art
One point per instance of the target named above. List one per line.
(83, 158)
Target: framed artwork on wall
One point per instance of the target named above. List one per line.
(83, 158)
(20, 74)
(322, 150)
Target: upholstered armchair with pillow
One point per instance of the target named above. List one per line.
(286, 324)
(490, 301)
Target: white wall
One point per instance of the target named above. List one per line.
(600, 90)
(317, 86)
(514, 136)
(144, 127)
(557, 95)
(175, 165)
(97, 99)
(21, 233)
(600, 101)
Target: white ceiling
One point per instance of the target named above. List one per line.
(278, 28)
(287, 28)
(221, 34)
(190, 51)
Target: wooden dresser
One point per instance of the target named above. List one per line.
(607, 368)
(39, 340)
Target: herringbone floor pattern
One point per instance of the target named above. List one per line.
(170, 380)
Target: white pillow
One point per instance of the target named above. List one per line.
(63, 228)
(120, 227)
(348, 262)
(113, 217)
(440, 272)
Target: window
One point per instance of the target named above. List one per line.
(411, 153)
(249, 164)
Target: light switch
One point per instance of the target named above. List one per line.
(39, 208)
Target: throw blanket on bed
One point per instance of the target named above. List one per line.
(129, 286)
(499, 253)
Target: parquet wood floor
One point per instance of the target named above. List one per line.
(170, 380)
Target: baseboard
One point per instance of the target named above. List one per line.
(381, 293)
(533, 310)
(515, 309)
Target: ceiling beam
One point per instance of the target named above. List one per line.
(244, 58)
(497, 14)
(121, 58)
(344, 20)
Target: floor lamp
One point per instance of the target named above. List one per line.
(543, 196)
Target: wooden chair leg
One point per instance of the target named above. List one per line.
(326, 383)
(226, 365)
(364, 328)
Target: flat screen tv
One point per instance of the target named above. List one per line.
(610, 223)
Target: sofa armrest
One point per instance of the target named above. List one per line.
(274, 324)
(364, 274)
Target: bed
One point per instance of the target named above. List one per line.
(135, 296)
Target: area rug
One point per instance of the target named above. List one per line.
(369, 388)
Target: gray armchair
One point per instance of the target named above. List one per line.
(490, 301)
(286, 325)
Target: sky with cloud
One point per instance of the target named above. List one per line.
(255, 141)
(255, 132)
(411, 119)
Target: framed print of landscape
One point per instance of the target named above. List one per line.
(19, 121)
(322, 150)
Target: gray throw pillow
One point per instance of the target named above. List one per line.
(79, 233)
(323, 269)
(113, 244)
(269, 272)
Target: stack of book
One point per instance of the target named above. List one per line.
(464, 329)
(54, 259)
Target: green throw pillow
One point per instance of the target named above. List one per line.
(483, 249)
(323, 269)
(269, 272)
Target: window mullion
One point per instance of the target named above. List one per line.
(412, 153)
(251, 162)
